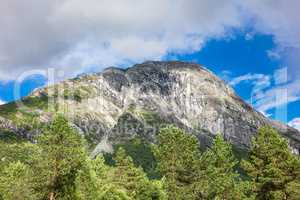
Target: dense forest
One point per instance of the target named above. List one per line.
(58, 166)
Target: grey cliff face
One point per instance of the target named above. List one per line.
(118, 104)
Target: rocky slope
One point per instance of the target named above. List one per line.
(118, 104)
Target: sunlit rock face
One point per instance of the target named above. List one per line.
(119, 104)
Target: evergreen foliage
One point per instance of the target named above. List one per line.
(134, 180)
(61, 156)
(142, 154)
(88, 181)
(274, 170)
(16, 182)
(177, 154)
(218, 177)
(58, 167)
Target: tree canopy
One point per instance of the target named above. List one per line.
(59, 167)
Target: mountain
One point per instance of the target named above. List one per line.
(118, 104)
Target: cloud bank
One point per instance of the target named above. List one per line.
(76, 35)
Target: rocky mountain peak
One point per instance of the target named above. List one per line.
(116, 104)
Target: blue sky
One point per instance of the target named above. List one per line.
(240, 56)
(254, 45)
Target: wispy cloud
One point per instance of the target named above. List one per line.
(270, 91)
(226, 75)
(295, 123)
(276, 97)
(281, 76)
(282, 92)
(265, 114)
(259, 81)
(2, 102)
(273, 54)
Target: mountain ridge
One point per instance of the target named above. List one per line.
(144, 97)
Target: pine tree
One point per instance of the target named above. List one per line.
(274, 170)
(13, 152)
(111, 192)
(218, 177)
(87, 185)
(92, 179)
(134, 180)
(16, 182)
(177, 154)
(61, 157)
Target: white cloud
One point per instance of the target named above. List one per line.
(270, 91)
(274, 98)
(281, 75)
(277, 17)
(273, 54)
(265, 114)
(75, 35)
(281, 94)
(259, 81)
(2, 102)
(295, 123)
(225, 75)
